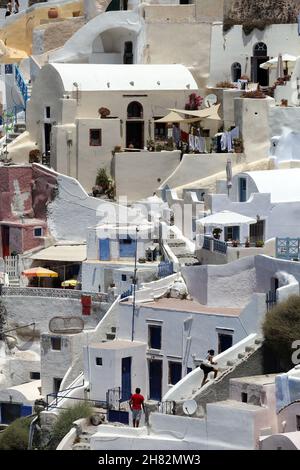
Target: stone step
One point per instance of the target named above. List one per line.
(81, 446)
(110, 336)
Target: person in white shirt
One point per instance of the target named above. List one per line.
(207, 366)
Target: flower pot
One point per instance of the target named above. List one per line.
(76, 13)
(52, 13)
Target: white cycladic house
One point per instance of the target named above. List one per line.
(67, 122)
(271, 197)
(111, 253)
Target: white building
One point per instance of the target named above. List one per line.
(67, 123)
(111, 253)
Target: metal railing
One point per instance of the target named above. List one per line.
(219, 246)
(21, 84)
(165, 268)
(168, 407)
(271, 299)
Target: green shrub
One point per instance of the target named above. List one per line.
(281, 328)
(65, 422)
(15, 437)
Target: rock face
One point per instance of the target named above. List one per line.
(260, 13)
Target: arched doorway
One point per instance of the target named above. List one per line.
(260, 55)
(135, 126)
(236, 71)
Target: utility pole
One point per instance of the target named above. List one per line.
(134, 284)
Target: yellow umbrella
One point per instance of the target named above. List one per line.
(70, 283)
(39, 272)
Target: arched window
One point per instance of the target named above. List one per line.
(135, 110)
(236, 71)
(260, 50)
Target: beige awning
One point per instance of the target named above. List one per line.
(175, 117)
(74, 253)
(207, 113)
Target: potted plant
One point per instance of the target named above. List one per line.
(247, 243)
(259, 243)
(238, 145)
(217, 233)
(235, 243)
(103, 112)
(34, 156)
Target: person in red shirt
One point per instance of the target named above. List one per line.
(136, 404)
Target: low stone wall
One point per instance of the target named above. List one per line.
(53, 293)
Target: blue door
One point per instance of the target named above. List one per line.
(155, 377)
(127, 247)
(175, 371)
(126, 378)
(104, 252)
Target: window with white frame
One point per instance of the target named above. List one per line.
(38, 231)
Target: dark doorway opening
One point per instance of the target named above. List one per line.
(175, 370)
(10, 412)
(126, 378)
(135, 134)
(260, 55)
(155, 378)
(5, 240)
(224, 342)
(128, 54)
(47, 134)
(257, 231)
(56, 384)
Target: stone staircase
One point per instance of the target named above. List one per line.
(180, 250)
(216, 389)
(83, 441)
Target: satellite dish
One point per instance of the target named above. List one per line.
(189, 407)
(210, 100)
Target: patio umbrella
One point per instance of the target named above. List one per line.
(70, 283)
(280, 73)
(288, 59)
(39, 272)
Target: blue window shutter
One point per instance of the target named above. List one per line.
(26, 410)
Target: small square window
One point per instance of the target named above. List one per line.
(99, 361)
(38, 231)
(56, 343)
(35, 375)
(124, 277)
(95, 137)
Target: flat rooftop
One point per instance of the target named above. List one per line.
(238, 405)
(116, 344)
(190, 306)
(256, 379)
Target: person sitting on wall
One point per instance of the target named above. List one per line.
(136, 403)
(207, 366)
